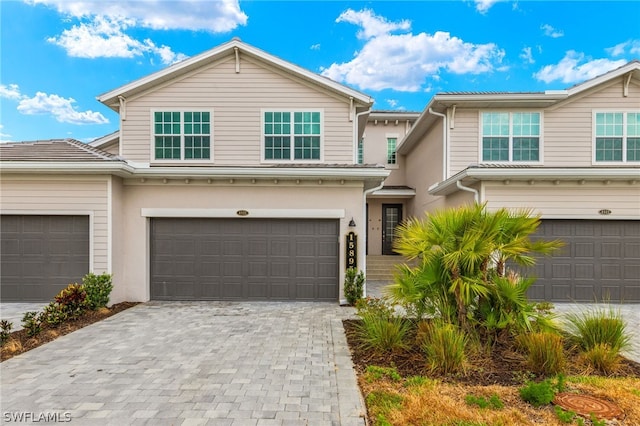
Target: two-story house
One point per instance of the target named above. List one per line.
(572, 156)
(236, 175)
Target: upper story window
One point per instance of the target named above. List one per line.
(511, 136)
(182, 135)
(292, 135)
(392, 142)
(617, 137)
(361, 151)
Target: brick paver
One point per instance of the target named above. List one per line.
(184, 363)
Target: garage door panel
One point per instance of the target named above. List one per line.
(586, 293)
(280, 290)
(210, 289)
(630, 294)
(280, 269)
(632, 251)
(260, 259)
(600, 257)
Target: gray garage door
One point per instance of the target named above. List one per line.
(601, 261)
(244, 259)
(40, 255)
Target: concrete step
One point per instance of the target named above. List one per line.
(382, 268)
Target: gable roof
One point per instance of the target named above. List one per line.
(54, 150)
(106, 140)
(441, 101)
(235, 46)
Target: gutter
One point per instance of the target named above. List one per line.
(484, 173)
(461, 187)
(444, 141)
(126, 170)
(355, 132)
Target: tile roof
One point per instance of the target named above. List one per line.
(53, 150)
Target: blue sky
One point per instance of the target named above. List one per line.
(58, 55)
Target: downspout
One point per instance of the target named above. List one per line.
(476, 195)
(366, 225)
(444, 141)
(355, 133)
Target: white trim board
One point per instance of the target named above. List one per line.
(251, 213)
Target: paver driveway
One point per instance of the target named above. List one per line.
(184, 363)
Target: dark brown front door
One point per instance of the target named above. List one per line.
(391, 217)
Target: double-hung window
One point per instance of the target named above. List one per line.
(617, 137)
(292, 135)
(511, 137)
(182, 135)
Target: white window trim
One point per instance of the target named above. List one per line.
(291, 159)
(388, 136)
(182, 160)
(540, 162)
(624, 112)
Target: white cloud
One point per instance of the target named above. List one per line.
(218, 16)
(483, 6)
(4, 137)
(61, 108)
(630, 46)
(11, 91)
(404, 61)
(371, 24)
(549, 31)
(574, 68)
(315, 46)
(105, 38)
(527, 56)
(392, 102)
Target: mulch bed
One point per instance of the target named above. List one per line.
(19, 342)
(502, 366)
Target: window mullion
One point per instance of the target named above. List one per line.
(182, 139)
(624, 137)
(292, 121)
(510, 137)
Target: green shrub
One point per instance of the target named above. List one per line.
(445, 347)
(598, 326)
(380, 329)
(603, 358)
(98, 289)
(545, 352)
(32, 323)
(54, 314)
(383, 335)
(353, 285)
(5, 331)
(538, 394)
(72, 300)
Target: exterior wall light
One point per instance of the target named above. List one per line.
(352, 223)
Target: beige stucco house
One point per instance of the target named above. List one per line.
(234, 175)
(238, 176)
(572, 156)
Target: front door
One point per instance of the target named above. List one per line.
(391, 217)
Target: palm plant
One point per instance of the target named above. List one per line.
(461, 253)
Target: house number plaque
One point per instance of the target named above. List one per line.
(352, 250)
